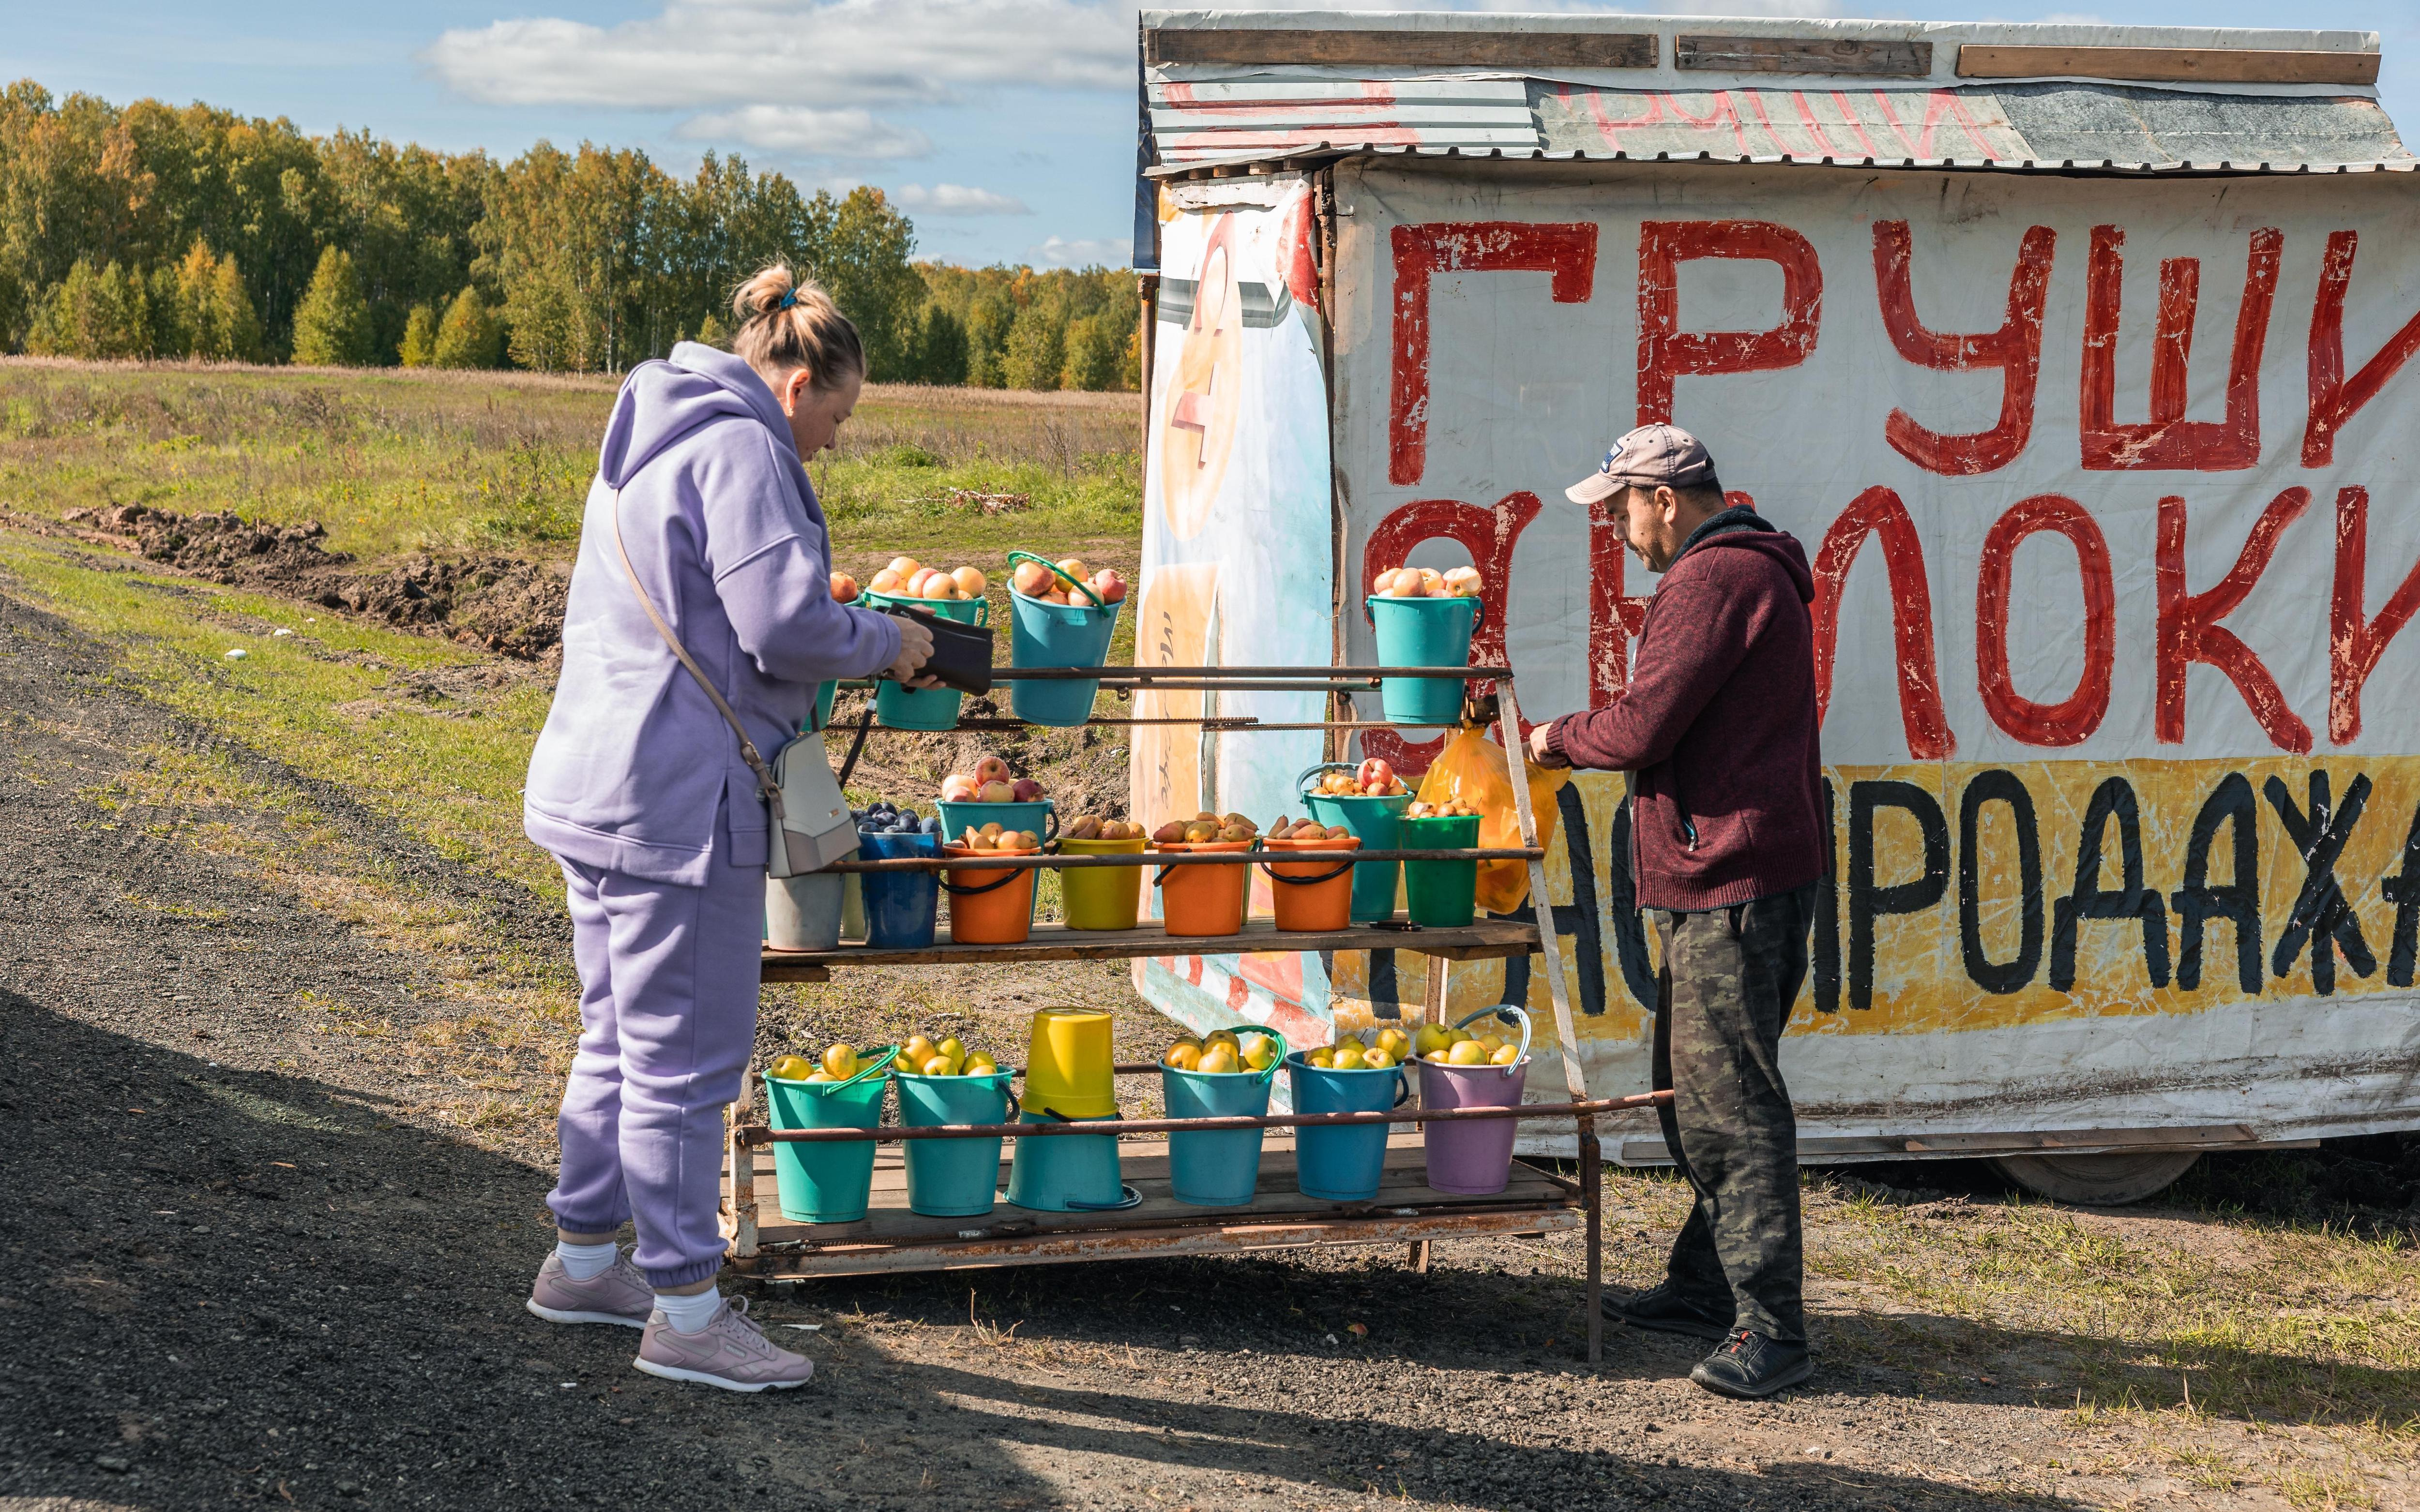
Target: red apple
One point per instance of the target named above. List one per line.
(1032, 579)
(1377, 770)
(1111, 585)
(1025, 790)
(996, 792)
(958, 788)
(990, 769)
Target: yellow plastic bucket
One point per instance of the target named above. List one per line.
(1102, 897)
(1070, 1069)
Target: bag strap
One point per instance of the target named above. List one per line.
(765, 781)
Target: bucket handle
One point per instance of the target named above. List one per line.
(1161, 878)
(1132, 1198)
(1269, 1071)
(878, 1064)
(1323, 767)
(1006, 876)
(1506, 1010)
(1478, 608)
(983, 609)
(1073, 586)
(1305, 882)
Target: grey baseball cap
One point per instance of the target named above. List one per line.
(1648, 456)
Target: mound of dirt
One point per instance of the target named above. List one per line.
(504, 604)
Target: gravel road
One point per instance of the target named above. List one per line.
(242, 1267)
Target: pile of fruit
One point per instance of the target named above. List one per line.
(1034, 581)
(1204, 827)
(906, 577)
(888, 818)
(921, 1057)
(1425, 582)
(1373, 778)
(1308, 829)
(1460, 1047)
(995, 838)
(838, 1064)
(1093, 827)
(1388, 1048)
(843, 588)
(1221, 1052)
(1449, 809)
(990, 782)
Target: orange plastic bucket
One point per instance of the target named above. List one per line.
(1312, 895)
(988, 905)
(1202, 901)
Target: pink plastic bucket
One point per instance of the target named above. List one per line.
(1473, 1157)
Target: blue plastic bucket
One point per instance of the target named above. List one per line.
(1342, 1164)
(1067, 1173)
(826, 1183)
(901, 908)
(1220, 1169)
(929, 708)
(1373, 820)
(1043, 634)
(952, 1178)
(1422, 632)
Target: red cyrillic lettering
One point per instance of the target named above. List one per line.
(2355, 642)
(2333, 400)
(2167, 439)
(2015, 349)
(1666, 352)
(2189, 630)
(1613, 617)
(2072, 720)
(1879, 512)
(1568, 251)
(1488, 533)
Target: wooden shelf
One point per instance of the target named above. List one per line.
(1483, 940)
(890, 1238)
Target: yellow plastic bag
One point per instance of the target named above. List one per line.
(1472, 767)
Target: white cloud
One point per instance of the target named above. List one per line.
(1060, 252)
(821, 53)
(811, 134)
(956, 199)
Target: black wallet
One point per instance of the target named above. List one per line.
(961, 652)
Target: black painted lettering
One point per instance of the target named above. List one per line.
(1999, 786)
(1828, 916)
(2321, 917)
(2239, 902)
(1579, 922)
(2112, 799)
(1868, 902)
(2404, 893)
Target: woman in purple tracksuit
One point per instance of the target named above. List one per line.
(638, 788)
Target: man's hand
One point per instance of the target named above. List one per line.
(1540, 755)
(915, 648)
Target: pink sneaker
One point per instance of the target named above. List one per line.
(618, 1294)
(731, 1353)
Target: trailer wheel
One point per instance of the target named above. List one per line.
(2107, 1180)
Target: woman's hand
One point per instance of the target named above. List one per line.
(915, 648)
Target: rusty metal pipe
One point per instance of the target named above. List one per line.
(1013, 863)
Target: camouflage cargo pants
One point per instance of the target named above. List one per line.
(1728, 977)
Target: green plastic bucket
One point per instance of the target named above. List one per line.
(1373, 820)
(1343, 1165)
(927, 708)
(828, 1183)
(1043, 634)
(1220, 1169)
(1422, 632)
(1441, 893)
(952, 1178)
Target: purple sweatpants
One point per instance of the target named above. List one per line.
(667, 982)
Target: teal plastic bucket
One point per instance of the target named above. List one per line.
(952, 1178)
(1222, 1169)
(1374, 821)
(928, 708)
(824, 693)
(1069, 1173)
(1440, 894)
(1043, 634)
(1342, 1164)
(1422, 632)
(828, 1183)
(1040, 816)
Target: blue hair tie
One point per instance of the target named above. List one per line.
(789, 299)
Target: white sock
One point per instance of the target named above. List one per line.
(585, 1262)
(690, 1315)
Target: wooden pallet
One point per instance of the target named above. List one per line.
(890, 1238)
(1485, 939)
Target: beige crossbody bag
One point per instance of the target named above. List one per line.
(808, 825)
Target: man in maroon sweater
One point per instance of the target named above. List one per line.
(1718, 731)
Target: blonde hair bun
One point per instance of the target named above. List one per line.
(786, 322)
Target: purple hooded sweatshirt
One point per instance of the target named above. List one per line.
(634, 763)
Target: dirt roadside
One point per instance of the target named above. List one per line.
(249, 1259)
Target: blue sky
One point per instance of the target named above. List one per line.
(1004, 126)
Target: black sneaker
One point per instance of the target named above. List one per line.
(1750, 1364)
(1667, 1311)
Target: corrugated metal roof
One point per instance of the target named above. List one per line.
(1665, 100)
